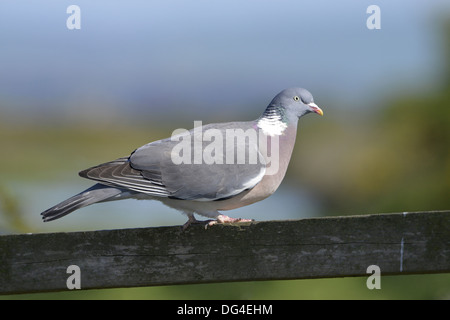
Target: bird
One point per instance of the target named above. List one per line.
(208, 169)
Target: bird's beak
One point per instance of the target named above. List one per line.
(315, 108)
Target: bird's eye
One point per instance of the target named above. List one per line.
(296, 98)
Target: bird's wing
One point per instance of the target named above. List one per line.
(190, 166)
(119, 173)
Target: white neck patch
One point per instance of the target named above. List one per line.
(272, 125)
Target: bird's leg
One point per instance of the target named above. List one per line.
(226, 219)
(192, 220)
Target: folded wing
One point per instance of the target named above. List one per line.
(151, 169)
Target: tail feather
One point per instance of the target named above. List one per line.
(92, 195)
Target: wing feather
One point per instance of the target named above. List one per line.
(150, 170)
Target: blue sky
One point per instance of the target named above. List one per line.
(159, 56)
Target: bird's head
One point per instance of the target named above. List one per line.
(296, 102)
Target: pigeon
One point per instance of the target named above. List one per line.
(205, 170)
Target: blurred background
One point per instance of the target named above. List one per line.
(137, 70)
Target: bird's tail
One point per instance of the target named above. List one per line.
(96, 193)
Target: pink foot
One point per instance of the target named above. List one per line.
(220, 219)
(226, 219)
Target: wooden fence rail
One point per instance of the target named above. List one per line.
(399, 243)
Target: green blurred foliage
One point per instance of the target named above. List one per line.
(42, 150)
(392, 160)
(397, 160)
(433, 286)
(392, 287)
(11, 211)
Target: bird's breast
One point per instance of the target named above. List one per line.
(277, 154)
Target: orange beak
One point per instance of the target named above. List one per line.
(315, 108)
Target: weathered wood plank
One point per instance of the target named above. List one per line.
(400, 243)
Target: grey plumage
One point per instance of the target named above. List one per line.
(150, 172)
(96, 193)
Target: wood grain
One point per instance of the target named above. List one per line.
(399, 243)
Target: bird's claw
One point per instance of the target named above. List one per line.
(220, 219)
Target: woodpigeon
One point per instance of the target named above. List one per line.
(210, 168)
